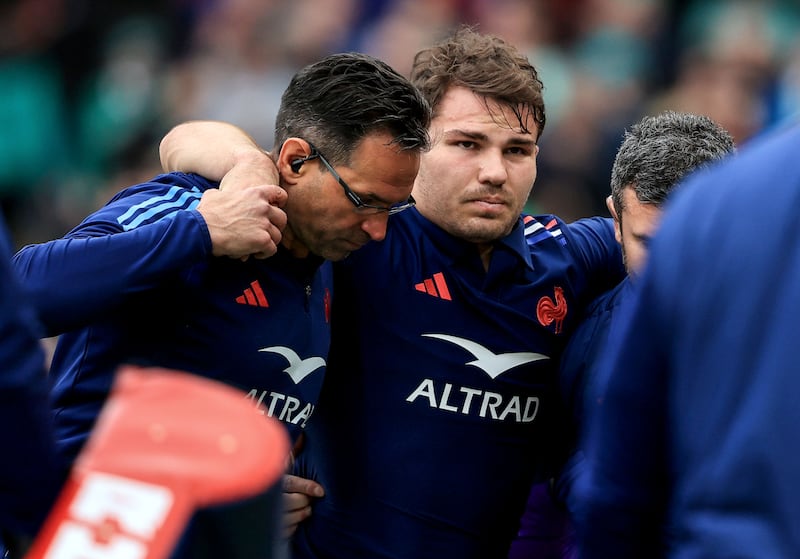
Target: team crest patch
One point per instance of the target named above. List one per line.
(550, 311)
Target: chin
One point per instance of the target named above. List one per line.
(335, 255)
(490, 229)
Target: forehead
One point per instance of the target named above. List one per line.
(635, 215)
(461, 107)
(377, 151)
(381, 168)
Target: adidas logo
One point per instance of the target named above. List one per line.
(253, 296)
(435, 286)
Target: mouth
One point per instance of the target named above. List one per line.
(489, 203)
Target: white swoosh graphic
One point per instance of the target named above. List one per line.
(298, 369)
(492, 364)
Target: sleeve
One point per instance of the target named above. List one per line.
(28, 470)
(622, 495)
(593, 243)
(578, 361)
(144, 234)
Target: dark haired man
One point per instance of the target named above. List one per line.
(694, 450)
(434, 417)
(160, 274)
(656, 154)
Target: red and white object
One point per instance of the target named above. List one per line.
(166, 444)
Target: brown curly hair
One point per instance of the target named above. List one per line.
(485, 64)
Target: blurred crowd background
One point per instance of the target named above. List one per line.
(88, 87)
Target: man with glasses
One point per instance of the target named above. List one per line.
(360, 205)
(161, 275)
(438, 406)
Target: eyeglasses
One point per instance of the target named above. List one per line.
(360, 205)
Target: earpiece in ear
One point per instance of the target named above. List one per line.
(297, 163)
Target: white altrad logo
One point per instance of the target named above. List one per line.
(490, 363)
(298, 369)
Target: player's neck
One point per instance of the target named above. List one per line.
(294, 245)
(485, 253)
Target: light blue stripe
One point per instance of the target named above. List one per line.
(149, 202)
(165, 208)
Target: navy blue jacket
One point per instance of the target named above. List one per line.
(29, 475)
(580, 381)
(694, 452)
(136, 282)
(438, 408)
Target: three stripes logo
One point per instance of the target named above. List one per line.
(435, 286)
(165, 206)
(253, 296)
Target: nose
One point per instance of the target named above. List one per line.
(375, 226)
(493, 168)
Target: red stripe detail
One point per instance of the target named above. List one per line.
(440, 283)
(251, 298)
(240, 300)
(262, 299)
(420, 287)
(550, 224)
(527, 219)
(430, 288)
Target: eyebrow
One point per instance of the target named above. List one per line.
(369, 196)
(516, 140)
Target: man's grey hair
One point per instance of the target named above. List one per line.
(658, 151)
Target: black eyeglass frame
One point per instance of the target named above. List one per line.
(352, 196)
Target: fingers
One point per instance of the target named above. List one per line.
(244, 216)
(297, 499)
(270, 246)
(303, 486)
(292, 519)
(277, 197)
(272, 222)
(276, 215)
(297, 507)
(277, 222)
(244, 222)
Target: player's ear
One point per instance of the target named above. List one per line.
(294, 152)
(296, 164)
(613, 211)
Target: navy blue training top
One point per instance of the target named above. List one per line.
(136, 282)
(29, 474)
(436, 412)
(694, 449)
